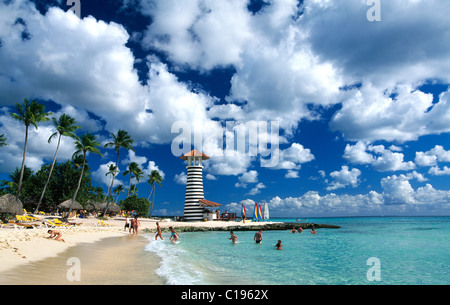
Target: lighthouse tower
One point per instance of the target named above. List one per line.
(193, 208)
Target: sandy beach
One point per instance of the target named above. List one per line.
(107, 254)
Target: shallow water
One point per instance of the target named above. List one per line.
(410, 250)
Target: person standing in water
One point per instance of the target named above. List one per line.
(158, 232)
(258, 237)
(174, 236)
(233, 237)
(135, 225)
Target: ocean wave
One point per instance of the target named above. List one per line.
(175, 266)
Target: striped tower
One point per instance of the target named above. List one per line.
(193, 209)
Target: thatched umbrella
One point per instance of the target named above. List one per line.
(112, 208)
(9, 204)
(94, 206)
(66, 205)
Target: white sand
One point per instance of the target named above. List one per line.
(19, 247)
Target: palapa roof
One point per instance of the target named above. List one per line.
(92, 205)
(66, 205)
(209, 203)
(9, 204)
(194, 153)
(113, 207)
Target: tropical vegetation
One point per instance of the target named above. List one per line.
(57, 182)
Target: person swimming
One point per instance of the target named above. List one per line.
(279, 245)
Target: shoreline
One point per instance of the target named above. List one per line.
(22, 252)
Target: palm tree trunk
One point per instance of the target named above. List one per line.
(49, 175)
(112, 183)
(151, 191)
(107, 199)
(129, 188)
(19, 187)
(153, 203)
(78, 186)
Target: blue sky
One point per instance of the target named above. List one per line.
(363, 107)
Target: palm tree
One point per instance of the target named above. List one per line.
(112, 170)
(65, 126)
(122, 139)
(154, 177)
(118, 190)
(135, 172)
(99, 194)
(3, 140)
(29, 114)
(87, 143)
(14, 182)
(133, 190)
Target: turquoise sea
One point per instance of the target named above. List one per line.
(364, 251)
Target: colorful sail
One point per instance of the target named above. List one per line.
(255, 212)
(244, 214)
(260, 214)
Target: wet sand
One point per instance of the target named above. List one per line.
(110, 261)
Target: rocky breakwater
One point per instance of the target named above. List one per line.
(250, 226)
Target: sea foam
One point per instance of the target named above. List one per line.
(175, 267)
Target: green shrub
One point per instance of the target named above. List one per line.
(141, 206)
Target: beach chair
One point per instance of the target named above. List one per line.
(57, 221)
(48, 225)
(21, 218)
(30, 218)
(101, 223)
(107, 224)
(59, 225)
(19, 227)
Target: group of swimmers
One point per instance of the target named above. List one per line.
(258, 236)
(300, 230)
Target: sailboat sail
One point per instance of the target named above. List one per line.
(255, 213)
(266, 211)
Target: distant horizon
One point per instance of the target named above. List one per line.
(306, 217)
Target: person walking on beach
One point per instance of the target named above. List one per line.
(135, 225)
(55, 234)
(158, 232)
(258, 237)
(233, 237)
(127, 223)
(174, 236)
(279, 245)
